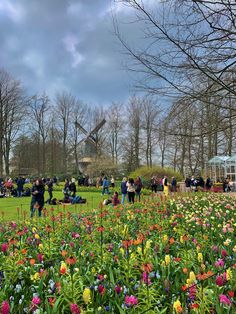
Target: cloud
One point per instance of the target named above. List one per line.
(70, 45)
(71, 41)
(13, 11)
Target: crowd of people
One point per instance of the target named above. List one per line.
(129, 189)
(14, 188)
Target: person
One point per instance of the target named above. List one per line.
(188, 184)
(112, 182)
(72, 187)
(9, 186)
(138, 187)
(201, 183)
(154, 184)
(123, 188)
(161, 184)
(105, 186)
(20, 185)
(131, 190)
(49, 184)
(193, 184)
(208, 184)
(226, 187)
(37, 200)
(115, 199)
(173, 185)
(165, 185)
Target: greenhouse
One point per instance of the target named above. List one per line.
(217, 169)
(230, 168)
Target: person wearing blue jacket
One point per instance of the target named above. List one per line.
(105, 186)
(123, 188)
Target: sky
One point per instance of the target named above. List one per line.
(66, 45)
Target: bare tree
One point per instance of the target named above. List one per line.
(186, 44)
(65, 104)
(12, 102)
(115, 124)
(150, 112)
(39, 111)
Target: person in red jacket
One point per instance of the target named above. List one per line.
(115, 199)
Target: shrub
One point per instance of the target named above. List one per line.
(147, 173)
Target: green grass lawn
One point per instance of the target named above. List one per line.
(9, 205)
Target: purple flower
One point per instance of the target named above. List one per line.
(219, 263)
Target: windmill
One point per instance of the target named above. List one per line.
(90, 148)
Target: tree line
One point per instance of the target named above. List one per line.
(187, 55)
(38, 135)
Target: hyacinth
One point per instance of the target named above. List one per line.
(5, 308)
(177, 307)
(86, 295)
(219, 263)
(228, 274)
(167, 260)
(4, 247)
(224, 299)
(200, 257)
(101, 289)
(131, 300)
(220, 280)
(118, 289)
(74, 309)
(145, 278)
(36, 301)
(192, 292)
(191, 279)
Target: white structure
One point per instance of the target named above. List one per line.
(217, 169)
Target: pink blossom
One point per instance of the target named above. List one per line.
(4, 247)
(220, 280)
(219, 263)
(224, 299)
(36, 301)
(74, 308)
(5, 308)
(131, 300)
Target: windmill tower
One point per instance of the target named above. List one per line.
(89, 144)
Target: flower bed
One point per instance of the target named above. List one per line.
(167, 256)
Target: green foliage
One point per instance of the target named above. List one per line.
(147, 173)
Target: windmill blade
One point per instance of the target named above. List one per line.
(91, 139)
(98, 127)
(79, 126)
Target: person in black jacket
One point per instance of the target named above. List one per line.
(37, 200)
(20, 185)
(49, 183)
